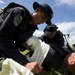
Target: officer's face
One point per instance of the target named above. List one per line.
(39, 17)
(51, 35)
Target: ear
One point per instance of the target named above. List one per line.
(71, 62)
(71, 59)
(38, 9)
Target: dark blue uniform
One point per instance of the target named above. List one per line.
(57, 40)
(15, 23)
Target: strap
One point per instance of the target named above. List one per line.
(1, 61)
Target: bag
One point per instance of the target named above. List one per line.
(11, 67)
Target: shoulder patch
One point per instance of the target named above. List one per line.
(17, 20)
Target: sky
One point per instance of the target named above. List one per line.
(64, 14)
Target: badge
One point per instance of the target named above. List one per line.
(17, 20)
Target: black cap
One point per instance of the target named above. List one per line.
(48, 29)
(46, 8)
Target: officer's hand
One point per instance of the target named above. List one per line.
(34, 67)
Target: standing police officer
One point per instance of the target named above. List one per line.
(16, 21)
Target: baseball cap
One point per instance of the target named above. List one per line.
(46, 8)
(48, 29)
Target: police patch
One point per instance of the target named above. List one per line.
(17, 20)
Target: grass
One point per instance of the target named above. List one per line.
(52, 72)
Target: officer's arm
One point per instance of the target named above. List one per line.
(12, 17)
(23, 37)
(19, 14)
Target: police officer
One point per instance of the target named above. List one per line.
(17, 21)
(53, 36)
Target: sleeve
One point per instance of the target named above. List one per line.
(23, 37)
(44, 38)
(60, 39)
(19, 14)
(12, 17)
(10, 50)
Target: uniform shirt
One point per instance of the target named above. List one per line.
(57, 40)
(16, 22)
(56, 43)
